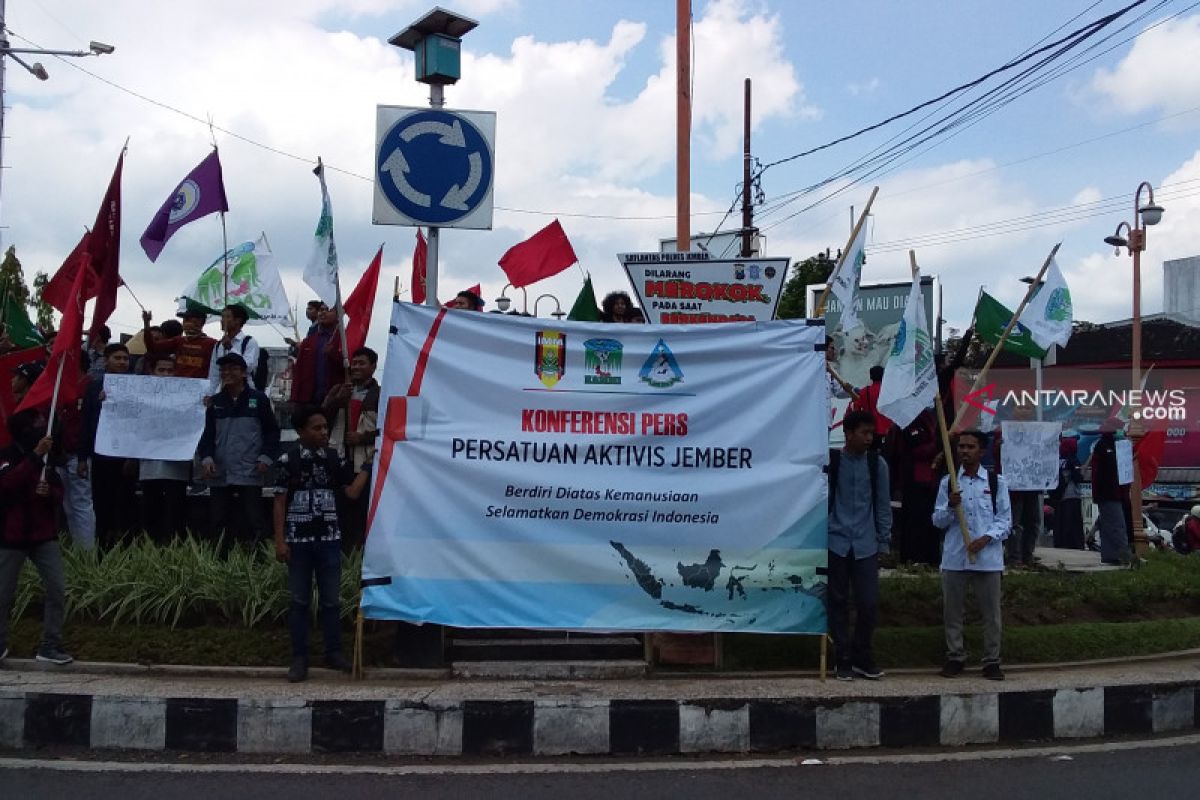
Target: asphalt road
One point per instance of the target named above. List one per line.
(1163, 772)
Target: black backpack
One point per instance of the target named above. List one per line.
(835, 461)
(262, 370)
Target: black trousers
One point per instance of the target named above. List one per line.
(163, 505)
(114, 499)
(237, 514)
(861, 576)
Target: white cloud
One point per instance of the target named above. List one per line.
(1158, 73)
(1086, 196)
(271, 71)
(864, 87)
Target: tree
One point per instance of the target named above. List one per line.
(45, 311)
(793, 302)
(13, 277)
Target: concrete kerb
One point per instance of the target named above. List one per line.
(427, 715)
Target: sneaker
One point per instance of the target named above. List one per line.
(844, 672)
(993, 672)
(298, 671)
(951, 669)
(53, 655)
(868, 670)
(338, 661)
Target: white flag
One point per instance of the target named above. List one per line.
(321, 272)
(253, 283)
(846, 280)
(910, 377)
(1049, 314)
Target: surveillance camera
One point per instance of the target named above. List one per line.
(100, 48)
(39, 72)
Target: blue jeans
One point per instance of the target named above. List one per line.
(324, 560)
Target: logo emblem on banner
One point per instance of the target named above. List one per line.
(661, 369)
(602, 360)
(550, 357)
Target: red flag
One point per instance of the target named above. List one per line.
(8, 363)
(545, 253)
(420, 259)
(359, 304)
(1149, 454)
(57, 291)
(104, 248)
(65, 354)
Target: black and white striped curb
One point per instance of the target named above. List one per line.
(574, 725)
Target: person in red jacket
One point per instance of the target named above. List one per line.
(319, 365)
(30, 494)
(868, 400)
(192, 351)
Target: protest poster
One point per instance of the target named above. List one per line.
(571, 475)
(144, 416)
(1029, 456)
(1124, 462)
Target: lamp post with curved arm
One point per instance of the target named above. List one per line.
(557, 313)
(1135, 242)
(504, 301)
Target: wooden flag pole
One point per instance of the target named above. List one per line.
(819, 310)
(1012, 323)
(850, 390)
(947, 452)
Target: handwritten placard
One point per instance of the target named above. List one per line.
(144, 416)
(1029, 457)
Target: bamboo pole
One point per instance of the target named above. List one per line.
(947, 451)
(819, 310)
(1012, 323)
(356, 658)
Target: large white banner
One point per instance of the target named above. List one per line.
(144, 416)
(586, 476)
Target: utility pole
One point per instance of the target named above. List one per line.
(747, 208)
(683, 125)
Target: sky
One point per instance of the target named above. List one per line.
(584, 97)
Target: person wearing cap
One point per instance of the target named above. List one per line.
(23, 377)
(192, 350)
(238, 446)
(235, 340)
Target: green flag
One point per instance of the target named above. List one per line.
(991, 318)
(585, 308)
(21, 331)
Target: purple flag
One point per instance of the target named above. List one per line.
(199, 194)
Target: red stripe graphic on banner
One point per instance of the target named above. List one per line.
(397, 419)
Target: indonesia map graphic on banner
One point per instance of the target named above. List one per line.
(575, 475)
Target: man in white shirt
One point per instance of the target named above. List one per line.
(233, 319)
(984, 501)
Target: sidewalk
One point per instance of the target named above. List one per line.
(425, 714)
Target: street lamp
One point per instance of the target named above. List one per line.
(35, 69)
(1135, 242)
(504, 301)
(557, 313)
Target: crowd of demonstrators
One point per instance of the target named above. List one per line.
(308, 481)
(238, 446)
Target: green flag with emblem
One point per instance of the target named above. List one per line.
(991, 318)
